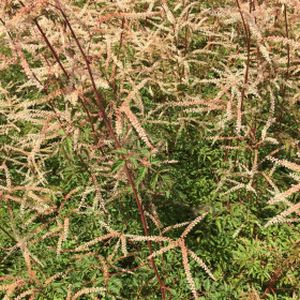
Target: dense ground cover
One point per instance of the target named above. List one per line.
(149, 149)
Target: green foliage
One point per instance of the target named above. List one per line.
(149, 144)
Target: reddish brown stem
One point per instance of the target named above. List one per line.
(54, 53)
(115, 67)
(272, 282)
(288, 46)
(51, 48)
(248, 44)
(288, 51)
(100, 103)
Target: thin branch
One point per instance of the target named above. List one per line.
(287, 73)
(248, 43)
(100, 103)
